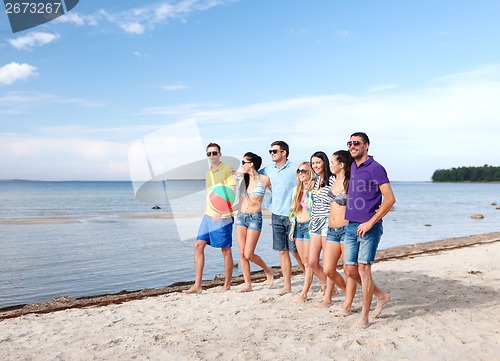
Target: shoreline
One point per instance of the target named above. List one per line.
(23, 221)
(399, 252)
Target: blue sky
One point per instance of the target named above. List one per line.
(422, 78)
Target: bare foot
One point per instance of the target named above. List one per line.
(193, 289)
(247, 288)
(322, 290)
(335, 291)
(380, 304)
(323, 304)
(284, 291)
(361, 324)
(301, 298)
(223, 289)
(270, 278)
(342, 313)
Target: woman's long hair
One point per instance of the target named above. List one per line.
(327, 173)
(257, 161)
(343, 156)
(300, 187)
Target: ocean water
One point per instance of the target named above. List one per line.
(100, 251)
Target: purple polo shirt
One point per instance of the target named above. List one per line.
(364, 195)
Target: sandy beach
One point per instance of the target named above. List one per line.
(445, 306)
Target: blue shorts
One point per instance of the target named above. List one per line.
(251, 221)
(281, 230)
(217, 235)
(336, 235)
(361, 250)
(320, 226)
(302, 232)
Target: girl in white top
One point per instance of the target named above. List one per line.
(319, 222)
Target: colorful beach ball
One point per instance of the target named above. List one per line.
(221, 198)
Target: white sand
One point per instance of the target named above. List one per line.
(440, 310)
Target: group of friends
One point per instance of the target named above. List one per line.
(335, 206)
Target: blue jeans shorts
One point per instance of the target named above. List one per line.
(251, 221)
(218, 235)
(361, 250)
(281, 230)
(336, 235)
(319, 226)
(302, 232)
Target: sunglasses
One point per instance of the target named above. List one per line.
(274, 151)
(244, 162)
(354, 142)
(302, 171)
(212, 153)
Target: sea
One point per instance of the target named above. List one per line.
(83, 238)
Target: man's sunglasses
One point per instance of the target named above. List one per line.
(354, 142)
(301, 171)
(274, 151)
(212, 153)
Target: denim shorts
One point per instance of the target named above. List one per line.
(336, 235)
(320, 227)
(281, 230)
(302, 231)
(251, 221)
(361, 250)
(218, 235)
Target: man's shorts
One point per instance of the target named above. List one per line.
(302, 231)
(336, 235)
(251, 221)
(361, 250)
(281, 230)
(217, 235)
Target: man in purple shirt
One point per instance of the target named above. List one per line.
(369, 199)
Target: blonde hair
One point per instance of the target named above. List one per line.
(300, 187)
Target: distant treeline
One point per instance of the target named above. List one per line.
(486, 173)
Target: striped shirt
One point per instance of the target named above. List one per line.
(321, 205)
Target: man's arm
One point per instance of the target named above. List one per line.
(269, 185)
(384, 208)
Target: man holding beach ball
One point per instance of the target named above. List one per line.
(216, 227)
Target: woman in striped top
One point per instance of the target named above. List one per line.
(319, 222)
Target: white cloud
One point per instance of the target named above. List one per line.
(452, 121)
(81, 102)
(53, 158)
(22, 102)
(133, 28)
(14, 71)
(415, 131)
(298, 31)
(32, 39)
(343, 34)
(174, 86)
(71, 17)
(136, 21)
(80, 19)
(383, 87)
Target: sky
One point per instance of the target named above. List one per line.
(421, 78)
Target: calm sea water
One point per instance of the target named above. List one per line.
(105, 253)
